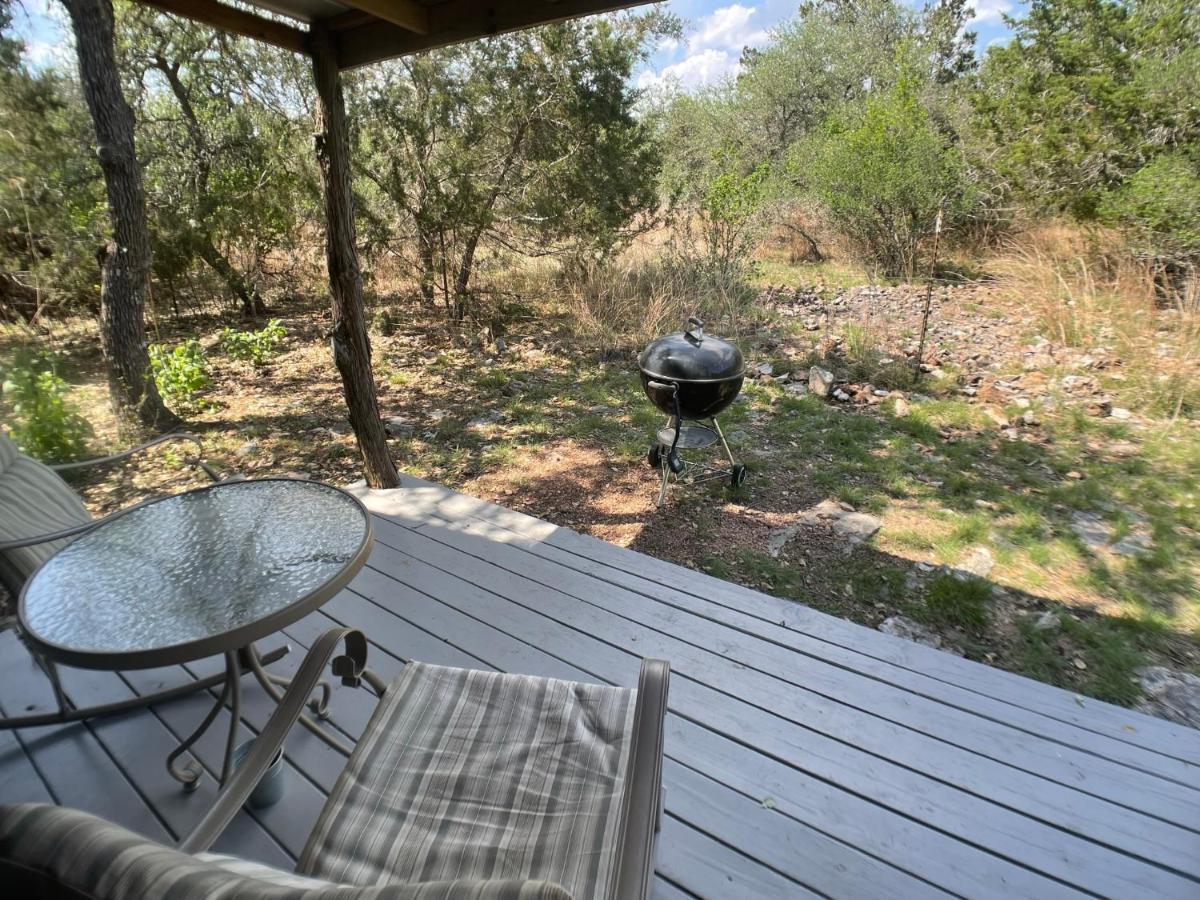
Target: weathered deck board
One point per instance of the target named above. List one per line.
(806, 756)
(821, 682)
(427, 500)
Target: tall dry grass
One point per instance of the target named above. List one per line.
(1084, 290)
(647, 292)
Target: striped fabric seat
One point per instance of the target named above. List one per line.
(51, 851)
(482, 776)
(33, 501)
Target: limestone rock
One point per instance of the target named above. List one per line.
(904, 627)
(855, 526)
(1170, 695)
(1047, 621)
(977, 561)
(397, 427)
(778, 539)
(1097, 534)
(820, 381)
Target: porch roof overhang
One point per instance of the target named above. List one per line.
(366, 31)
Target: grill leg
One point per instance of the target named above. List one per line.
(728, 452)
(662, 491)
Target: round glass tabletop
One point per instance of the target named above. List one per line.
(198, 573)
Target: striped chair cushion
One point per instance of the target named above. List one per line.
(481, 775)
(49, 851)
(33, 501)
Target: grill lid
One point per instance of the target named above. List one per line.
(691, 355)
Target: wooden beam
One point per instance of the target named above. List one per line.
(408, 14)
(455, 21)
(235, 21)
(351, 18)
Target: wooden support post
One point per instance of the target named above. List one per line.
(351, 347)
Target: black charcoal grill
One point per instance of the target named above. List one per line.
(691, 377)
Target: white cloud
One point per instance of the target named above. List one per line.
(712, 51)
(727, 28)
(706, 67)
(990, 11)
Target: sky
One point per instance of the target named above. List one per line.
(715, 33)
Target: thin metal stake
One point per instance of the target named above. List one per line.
(937, 234)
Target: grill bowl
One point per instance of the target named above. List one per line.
(697, 399)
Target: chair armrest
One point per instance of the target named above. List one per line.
(73, 530)
(350, 667)
(125, 454)
(18, 543)
(643, 790)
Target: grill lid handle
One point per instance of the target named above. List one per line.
(695, 334)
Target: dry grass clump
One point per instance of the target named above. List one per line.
(642, 295)
(1085, 292)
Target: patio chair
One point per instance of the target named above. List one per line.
(465, 785)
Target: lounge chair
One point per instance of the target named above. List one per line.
(465, 785)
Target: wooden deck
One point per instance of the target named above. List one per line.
(806, 756)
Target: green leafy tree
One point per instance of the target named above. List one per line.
(882, 170)
(221, 133)
(822, 65)
(836, 52)
(1084, 102)
(1159, 208)
(527, 142)
(51, 193)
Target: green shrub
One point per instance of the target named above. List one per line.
(255, 346)
(43, 422)
(881, 169)
(1159, 208)
(181, 373)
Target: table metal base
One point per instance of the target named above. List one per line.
(68, 712)
(238, 663)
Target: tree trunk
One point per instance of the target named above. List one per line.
(125, 260)
(428, 271)
(462, 279)
(252, 301)
(351, 348)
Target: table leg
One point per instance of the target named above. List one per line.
(67, 712)
(231, 688)
(270, 683)
(233, 675)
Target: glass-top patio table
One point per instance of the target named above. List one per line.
(203, 573)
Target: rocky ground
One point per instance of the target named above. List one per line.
(1029, 501)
